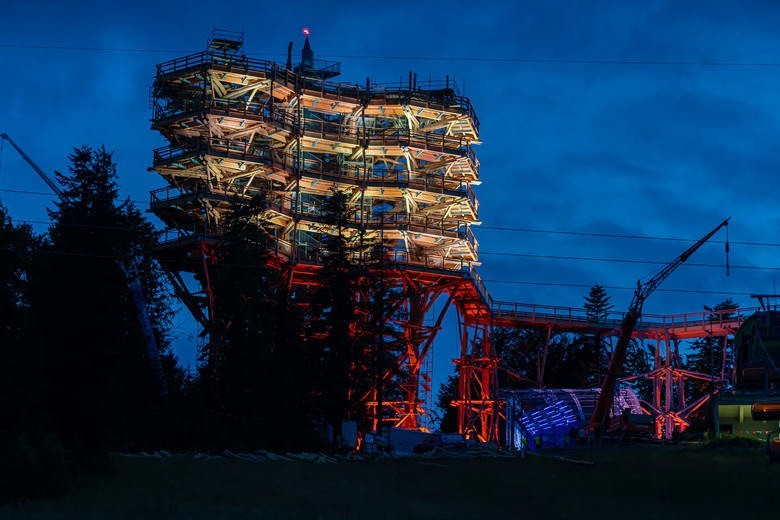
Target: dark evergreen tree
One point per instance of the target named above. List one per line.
(96, 381)
(18, 244)
(257, 384)
(379, 331)
(597, 306)
(349, 311)
(639, 360)
(447, 414)
(708, 356)
(597, 309)
(522, 355)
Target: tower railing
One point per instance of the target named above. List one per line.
(397, 259)
(313, 210)
(439, 99)
(333, 171)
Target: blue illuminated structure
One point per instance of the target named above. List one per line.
(549, 425)
(543, 418)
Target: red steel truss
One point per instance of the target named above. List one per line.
(669, 403)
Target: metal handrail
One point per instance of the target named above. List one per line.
(439, 99)
(683, 321)
(314, 255)
(314, 210)
(240, 149)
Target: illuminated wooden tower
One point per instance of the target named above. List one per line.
(237, 125)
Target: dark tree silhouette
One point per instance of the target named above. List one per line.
(17, 247)
(339, 319)
(256, 387)
(708, 356)
(96, 382)
(448, 414)
(597, 306)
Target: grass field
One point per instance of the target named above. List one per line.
(629, 482)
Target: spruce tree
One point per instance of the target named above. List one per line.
(353, 317)
(447, 414)
(18, 244)
(258, 384)
(707, 355)
(597, 306)
(97, 383)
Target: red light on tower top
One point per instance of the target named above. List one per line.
(306, 31)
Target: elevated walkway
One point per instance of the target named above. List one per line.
(655, 326)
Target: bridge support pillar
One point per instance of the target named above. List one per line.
(478, 404)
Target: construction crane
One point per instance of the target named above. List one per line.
(130, 271)
(598, 421)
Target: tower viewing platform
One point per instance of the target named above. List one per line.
(237, 126)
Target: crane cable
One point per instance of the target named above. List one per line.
(728, 271)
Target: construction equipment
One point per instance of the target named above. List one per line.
(130, 271)
(600, 418)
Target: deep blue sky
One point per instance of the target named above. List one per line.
(653, 149)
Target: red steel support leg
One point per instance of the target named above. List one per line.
(478, 386)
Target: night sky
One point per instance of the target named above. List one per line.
(649, 118)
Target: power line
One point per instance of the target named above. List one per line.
(622, 236)
(485, 253)
(511, 282)
(521, 255)
(92, 49)
(511, 229)
(48, 194)
(467, 59)
(563, 61)
(617, 287)
(73, 224)
(622, 260)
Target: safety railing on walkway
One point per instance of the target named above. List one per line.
(574, 317)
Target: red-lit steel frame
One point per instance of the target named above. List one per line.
(669, 401)
(478, 406)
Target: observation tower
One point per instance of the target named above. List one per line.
(403, 154)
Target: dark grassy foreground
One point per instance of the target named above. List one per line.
(632, 482)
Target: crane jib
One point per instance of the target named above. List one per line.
(644, 290)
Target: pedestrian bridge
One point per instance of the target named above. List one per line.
(650, 326)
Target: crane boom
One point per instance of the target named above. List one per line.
(49, 182)
(131, 273)
(643, 291)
